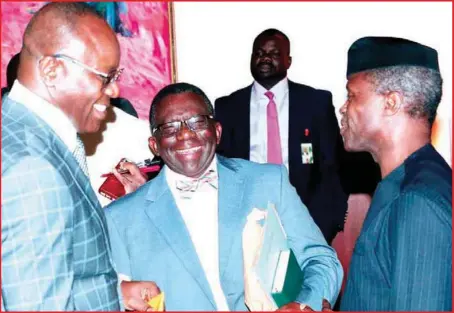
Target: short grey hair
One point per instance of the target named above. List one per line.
(420, 86)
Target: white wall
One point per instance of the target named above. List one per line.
(214, 42)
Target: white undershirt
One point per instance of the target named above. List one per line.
(52, 115)
(258, 118)
(200, 214)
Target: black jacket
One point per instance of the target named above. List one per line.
(311, 120)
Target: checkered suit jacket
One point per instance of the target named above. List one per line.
(55, 246)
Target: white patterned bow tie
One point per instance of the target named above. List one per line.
(188, 187)
(79, 155)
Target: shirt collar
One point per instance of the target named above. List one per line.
(279, 90)
(52, 115)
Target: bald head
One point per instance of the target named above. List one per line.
(69, 58)
(56, 24)
(72, 28)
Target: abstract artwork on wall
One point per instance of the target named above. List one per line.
(145, 33)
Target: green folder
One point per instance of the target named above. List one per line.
(288, 279)
(277, 269)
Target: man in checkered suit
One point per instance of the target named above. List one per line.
(55, 246)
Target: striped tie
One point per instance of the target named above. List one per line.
(79, 154)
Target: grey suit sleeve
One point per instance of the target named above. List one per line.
(421, 250)
(321, 268)
(37, 238)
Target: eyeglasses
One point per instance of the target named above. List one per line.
(106, 78)
(195, 123)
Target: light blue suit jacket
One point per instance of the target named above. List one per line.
(55, 246)
(151, 242)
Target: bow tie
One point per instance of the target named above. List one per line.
(188, 187)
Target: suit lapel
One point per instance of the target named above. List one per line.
(84, 183)
(242, 127)
(231, 207)
(62, 153)
(164, 214)
(298, 115)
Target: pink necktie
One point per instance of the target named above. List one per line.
(274, 140)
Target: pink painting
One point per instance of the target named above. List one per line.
(144, 30)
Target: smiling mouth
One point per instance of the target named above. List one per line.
(264, 67)
(188, 151)
(100, 107)
(99, 111)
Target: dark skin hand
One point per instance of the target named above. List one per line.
(131, 180)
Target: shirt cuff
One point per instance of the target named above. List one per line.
(121, 278)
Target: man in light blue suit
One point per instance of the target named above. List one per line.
(55, 247)
(183, 229)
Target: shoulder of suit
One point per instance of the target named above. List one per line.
(11, 123)
(19, 125)
(237, 93)
(128, 204)
(425, 189)
(15, 144)
(306, 88)
(249, 168)
(430, 178)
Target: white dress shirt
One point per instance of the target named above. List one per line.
(52, 115)
(258, 118)
(200, 214)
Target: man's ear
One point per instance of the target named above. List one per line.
(393, 102)
(50, 70)
(153, 144)
(218, 128)
(289, 62)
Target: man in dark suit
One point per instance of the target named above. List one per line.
(403, 257)
(308, 143)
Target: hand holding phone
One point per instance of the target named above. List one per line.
(127, 177)
(131, 178)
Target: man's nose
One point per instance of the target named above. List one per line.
(265, 58)
(184, 132)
